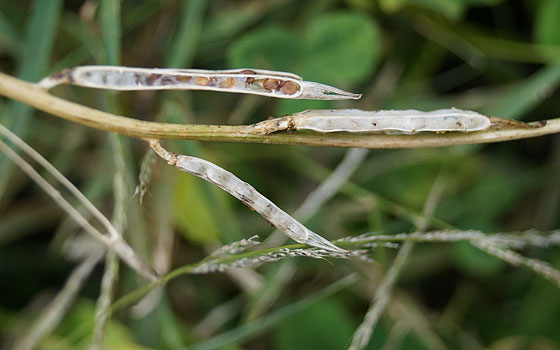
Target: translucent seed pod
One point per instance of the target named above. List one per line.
(244, 81)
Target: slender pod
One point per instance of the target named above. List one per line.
(245, 81)
(248, 195)
(354, 120)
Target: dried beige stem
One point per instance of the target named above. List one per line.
(112, 241)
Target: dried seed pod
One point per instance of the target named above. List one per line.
(245, 81)
(248, 195)
(404, 122)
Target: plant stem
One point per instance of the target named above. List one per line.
(30, 94)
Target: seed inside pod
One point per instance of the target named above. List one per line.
(248, 80)
(183, 78)
(204, 81)
(167, 80)
(272, 84)
(151, 78)
(290, 88)
(228, 83)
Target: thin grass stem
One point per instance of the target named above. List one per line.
(382, 296)
(113, 241)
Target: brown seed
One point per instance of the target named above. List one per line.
(183, 78)
(290, 88)
(151, 79)
(204, 81)
(249, 80)
(272, 84)
(228, 83)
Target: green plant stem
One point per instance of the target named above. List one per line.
(32, 95)
(518, 240)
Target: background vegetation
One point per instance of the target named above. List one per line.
(496, 57)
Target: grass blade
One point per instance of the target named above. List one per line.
(184, 45)
(37, 46)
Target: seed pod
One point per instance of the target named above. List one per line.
(248, 195)
(245, 81)
(354, 120)
(405, 121)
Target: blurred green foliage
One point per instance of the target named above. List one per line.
(339, 48)
(301, 332)
(547, 30)
(497, 57)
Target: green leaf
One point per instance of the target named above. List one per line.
(193, 211)
(110, 23)
(185, 43)
(498, 191)
(452, 9)
(325, 325)
(271, 48)
(284, 107)
(538, 317)
(474, 261)
(547, 24)
(80, 321)
(10, 39)
(39, 38)
(417, 176)
(526, 94)
(341, 47)
(172, 332)
(226, 23)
